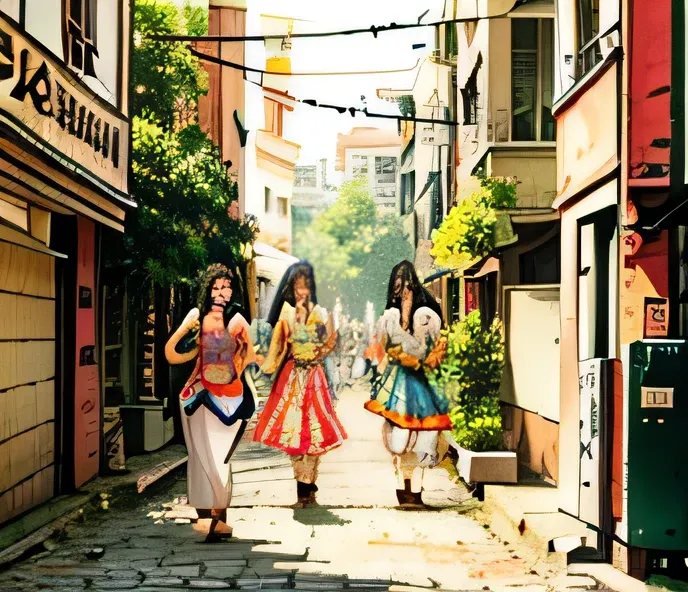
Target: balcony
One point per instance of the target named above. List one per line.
(276, 155)
(533, 164)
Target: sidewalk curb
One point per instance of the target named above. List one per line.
(39, 524)
(509, 529)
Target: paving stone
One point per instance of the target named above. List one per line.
(62, 582)
(132, 554)
(163, 582)
(160, 572)
(118, 584)
(84, 572)
(258, 582)
(210, 584)
(140, 565)
(224, 572)
(153, 589)
(225, 562)
(182, 571)
(123, 574)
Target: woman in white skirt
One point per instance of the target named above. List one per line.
(218, 399)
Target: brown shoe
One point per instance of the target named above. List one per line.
(305, 492)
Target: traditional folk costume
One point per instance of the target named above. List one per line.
(216, 401)
(299, 416)
(415, 413)
(213, 401)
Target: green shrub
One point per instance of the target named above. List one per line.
(469, 376)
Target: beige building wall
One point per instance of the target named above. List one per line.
(27, 379)
(485, 55)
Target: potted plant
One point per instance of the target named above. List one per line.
(469, 376)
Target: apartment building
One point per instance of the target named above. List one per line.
(373, 154)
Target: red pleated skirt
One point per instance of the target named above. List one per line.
(299, 417)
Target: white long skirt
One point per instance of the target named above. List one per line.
(208, 440)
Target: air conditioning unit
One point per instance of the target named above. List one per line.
(608, 43)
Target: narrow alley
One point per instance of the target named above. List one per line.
(353, 537)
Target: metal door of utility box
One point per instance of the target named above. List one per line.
(658, 445)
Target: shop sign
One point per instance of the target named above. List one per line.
(656, 318)
(48, 104)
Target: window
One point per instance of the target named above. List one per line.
(283, 207)
(532, 79)
(269, 200)
(542, 265)
(385, 169)
(469, 94)
(450, 43)
(481, 295)
(80, 41)
(436, 202)
(408, 192)
(305, 176)
(589, 52)
(385, 192)
(360, 165)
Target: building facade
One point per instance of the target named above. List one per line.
(427, 159)
(247, 117)
(621, 184)
(64, 158)
(505, 88)
(311, 195)
(372, 154)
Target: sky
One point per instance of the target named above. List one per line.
(316, 129)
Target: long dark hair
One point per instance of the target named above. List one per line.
(421, 296)
(205, 285)
(285, 290)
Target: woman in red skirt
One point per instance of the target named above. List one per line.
(299, 417)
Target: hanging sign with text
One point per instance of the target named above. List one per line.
(48, 104)
(656, 318)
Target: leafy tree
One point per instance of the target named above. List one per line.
(353, 249)
(178, 179)
(164, 75)
(353, 210)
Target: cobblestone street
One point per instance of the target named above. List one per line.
(353, 538)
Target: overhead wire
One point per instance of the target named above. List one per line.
(235, 66)
(313, 103)
(373, 29)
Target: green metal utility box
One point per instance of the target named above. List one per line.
(658, 445)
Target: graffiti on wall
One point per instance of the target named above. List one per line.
(644, 286)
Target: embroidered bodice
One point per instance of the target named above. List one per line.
(426, 331)
(306, 342)
(218, 348)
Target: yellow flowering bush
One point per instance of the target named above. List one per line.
(469, 376)
(469, 230)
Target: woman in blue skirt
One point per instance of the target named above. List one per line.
(407, 344)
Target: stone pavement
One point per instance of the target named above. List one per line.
(353, 538)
